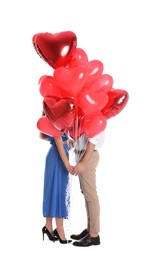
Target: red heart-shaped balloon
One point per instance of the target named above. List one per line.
(91, 102)
(95, 68)
(45, 126)
(60, 112)
(70, 81)
(104, 83)
(48, 104)
(56, 49)
(78, 58)
(65, 122)
(48, 87)
(117, 100)
(94, 124)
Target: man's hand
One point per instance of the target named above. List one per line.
(79, 168)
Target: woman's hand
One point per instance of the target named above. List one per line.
(70, 168)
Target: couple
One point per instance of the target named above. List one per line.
(56, 177)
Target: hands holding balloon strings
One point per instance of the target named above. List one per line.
(78, 98)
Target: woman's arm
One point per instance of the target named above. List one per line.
(62, 153)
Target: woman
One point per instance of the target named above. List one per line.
(56, 180)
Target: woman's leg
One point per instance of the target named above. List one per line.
(49, 225)
(60, 227)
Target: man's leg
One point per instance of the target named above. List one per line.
(89, 189)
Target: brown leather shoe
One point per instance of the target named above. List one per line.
(88, 241)
(81, 235)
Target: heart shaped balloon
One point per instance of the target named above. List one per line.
(117, 100)
(60, 112)
(70, 81)
(48, 87)
(91, 102)
(65, 122)
(55, 49)
(45, 126)
(95, 68)
(48, 104)
(94, 124)
(104, 83)
(78, 58)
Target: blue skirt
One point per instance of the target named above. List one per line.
(56, 179)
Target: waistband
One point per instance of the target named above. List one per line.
(82, 151)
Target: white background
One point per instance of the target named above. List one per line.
(119, 33)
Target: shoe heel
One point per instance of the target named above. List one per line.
(46, 231)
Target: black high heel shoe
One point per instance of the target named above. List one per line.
(65, 241)
(50, 236)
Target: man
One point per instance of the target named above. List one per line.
(87, 158)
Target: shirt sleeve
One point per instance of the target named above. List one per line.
(98, 140)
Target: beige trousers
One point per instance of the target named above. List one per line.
(88, 187)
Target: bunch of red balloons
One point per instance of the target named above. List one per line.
(78, 97)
